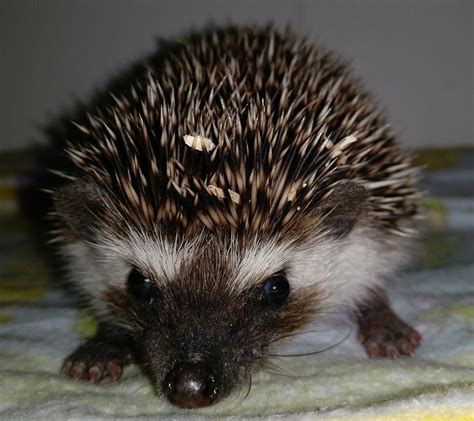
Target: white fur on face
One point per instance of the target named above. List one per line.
(346, 270)
(95, 268)
(342, 270)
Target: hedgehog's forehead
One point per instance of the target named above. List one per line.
(206, 256)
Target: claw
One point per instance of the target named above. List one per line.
(96, 374)
(114, 370)
(415, 338)
(391, 351)
(372, 350)
(65, 369)
(77, 370)
(405, 347)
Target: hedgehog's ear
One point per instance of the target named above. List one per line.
(344, 207)
(79, 205)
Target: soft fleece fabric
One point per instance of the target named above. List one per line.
(40, 325)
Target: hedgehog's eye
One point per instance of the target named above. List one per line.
(276, 290)
(140, 287)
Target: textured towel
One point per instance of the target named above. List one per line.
(40, 325)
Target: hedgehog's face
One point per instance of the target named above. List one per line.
(206, 323)
(198, 345)
(205, 307)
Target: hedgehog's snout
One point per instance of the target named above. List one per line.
(191, 385)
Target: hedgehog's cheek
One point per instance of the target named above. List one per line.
(191, 385)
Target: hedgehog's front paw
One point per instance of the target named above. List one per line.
(95, 361)
(388, 336)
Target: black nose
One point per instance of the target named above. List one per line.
(191, 386)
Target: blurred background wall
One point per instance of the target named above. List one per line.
(415, 55)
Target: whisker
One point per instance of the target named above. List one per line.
(238, 395)
(297, 376)
(285, 373)
(249, 387)
(315, 352)
(291, 335)
(276, 369)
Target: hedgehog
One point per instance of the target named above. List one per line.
(232, 192)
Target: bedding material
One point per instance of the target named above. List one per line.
(40, 324)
